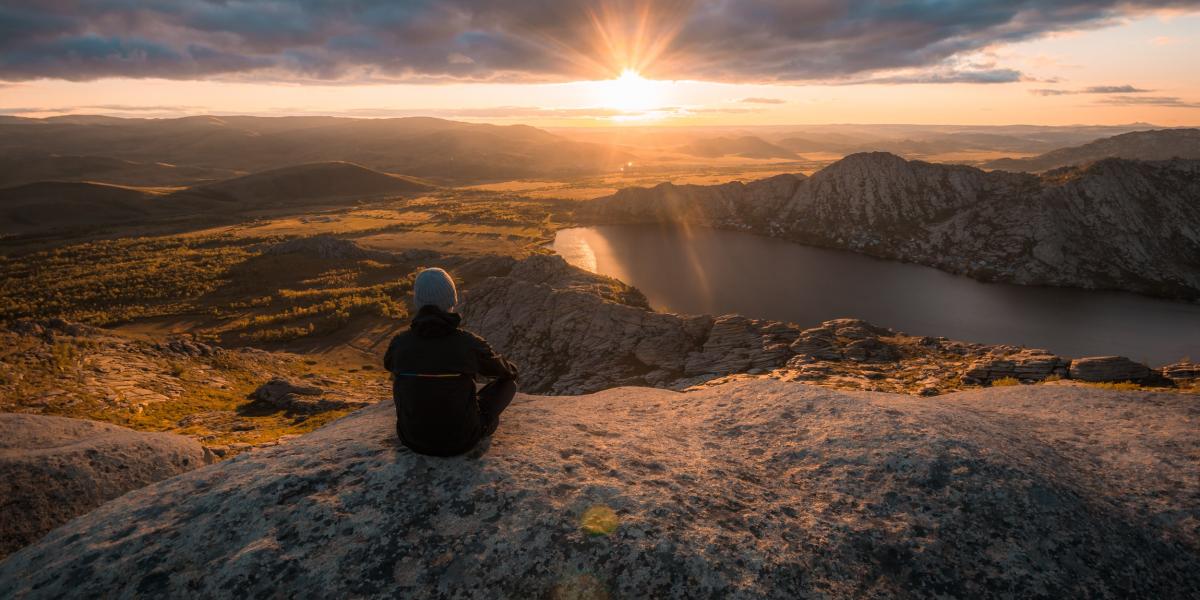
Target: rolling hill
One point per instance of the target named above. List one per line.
(19, 170)
(314, 182)
(1160, 144)
(744, 146)
(50, 205)
(448, 151)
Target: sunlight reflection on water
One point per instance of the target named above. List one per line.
(717, 272)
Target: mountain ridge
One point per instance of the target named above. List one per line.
(1158, 144)
(307, 182)
(427, 147)
(1114, 224)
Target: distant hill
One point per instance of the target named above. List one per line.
(918, 141)
(46, 206)
(447, 151)
(18, 170)
(306, 183)
(50, 205)
(1161, 144)
(1113, 224)
(745, 147)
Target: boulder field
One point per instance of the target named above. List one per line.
(750, 489)
(53, 469)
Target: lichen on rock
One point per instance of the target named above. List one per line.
(751, 489)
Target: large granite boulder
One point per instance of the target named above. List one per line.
(1108, 369)
(573, 332)
(753, 489)
(1027, 365)
(1184, 371)
(304, 398)
(53, 469)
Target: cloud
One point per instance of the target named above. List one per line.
(952, 76)
(1168, 101)
(1097, 89)
(490, 112)
(528, 40)
(104, 109)
(763, 101)
(1114, 89)
(524, 112)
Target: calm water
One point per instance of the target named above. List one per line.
(717, 272)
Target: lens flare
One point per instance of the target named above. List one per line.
(599, 520)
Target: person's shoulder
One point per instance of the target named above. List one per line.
(473, 337)
(402, 337)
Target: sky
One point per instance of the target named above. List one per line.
(609, 63)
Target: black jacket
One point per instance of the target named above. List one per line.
(434, 365)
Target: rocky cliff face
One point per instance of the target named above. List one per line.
(53, 469)
(1115, 224)
(564, 329)
(760, 489)
(572, 332)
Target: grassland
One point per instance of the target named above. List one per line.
(320, 316)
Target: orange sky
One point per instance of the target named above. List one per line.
(1136, 69)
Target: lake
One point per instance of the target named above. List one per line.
(717, 272)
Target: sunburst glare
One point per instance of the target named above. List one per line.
(630, 92)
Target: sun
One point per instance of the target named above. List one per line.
(629, 92)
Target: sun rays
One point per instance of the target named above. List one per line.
(629, 92)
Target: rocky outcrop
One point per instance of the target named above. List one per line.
(1113, 224)
(53, 469)
(573, 332)
(328, 247)
(1182, 372)
(1025, 366)
(282, 394)
(568, 336)
(759, 489)
(180, 384)
(1108, 368)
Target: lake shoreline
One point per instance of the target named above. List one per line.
(698, 270)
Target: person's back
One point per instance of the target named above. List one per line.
(434, 365)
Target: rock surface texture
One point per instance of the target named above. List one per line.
(1108, 368)
(53, 469)
(1113, 224)
(756, 489)
(305, 398)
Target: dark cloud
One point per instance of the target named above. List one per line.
(1115, 89)
(1097, 89)
(1169, 101)
(435, 40)
(763, 101)
(104, 109)
(968, 76)
(522, 112)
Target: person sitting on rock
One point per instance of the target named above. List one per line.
(434, 366)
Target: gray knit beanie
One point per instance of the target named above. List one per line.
(434, 286)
